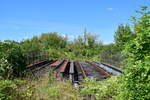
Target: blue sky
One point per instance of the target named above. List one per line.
(22, 19)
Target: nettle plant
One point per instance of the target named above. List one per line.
(136, 81)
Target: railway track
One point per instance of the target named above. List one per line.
(109, 68)
(75, 71)
(40, 68)
(92, 72)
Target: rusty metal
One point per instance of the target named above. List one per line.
(36, 63)
(73, 70)
(63, 67)
(56, 63)
(82, 70)
(39, 64)
(40, 68)
(101, 71)
(60, 72)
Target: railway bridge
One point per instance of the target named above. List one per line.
(73, 70)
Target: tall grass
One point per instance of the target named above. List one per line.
(48, 88)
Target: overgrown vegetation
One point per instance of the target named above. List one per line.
(136, 81)
(85, 47)
(131, 51)
(106, 89)
(48, 88)
(13, 60)
(16, 90)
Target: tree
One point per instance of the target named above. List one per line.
(89, 39)
(136, 80)
(52, 40)
(32, 45)
(123, 35)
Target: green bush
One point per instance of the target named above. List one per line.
(101, 89)
(136, 81)
(5, 69)
(85, 47)
(16, 90)
(12, 55)
(7, 88)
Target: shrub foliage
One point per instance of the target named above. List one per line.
(136, 81)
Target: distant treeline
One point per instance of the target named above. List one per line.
(85, 47)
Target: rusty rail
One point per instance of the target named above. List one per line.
(61, 71)
(101, 71)
(33, 64)
(82, 70)
(40, 64)
(63, 67)
(56, 63)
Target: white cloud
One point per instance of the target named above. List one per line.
(63, 35)
(69, 36)
(72, 37)
(110, 9)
